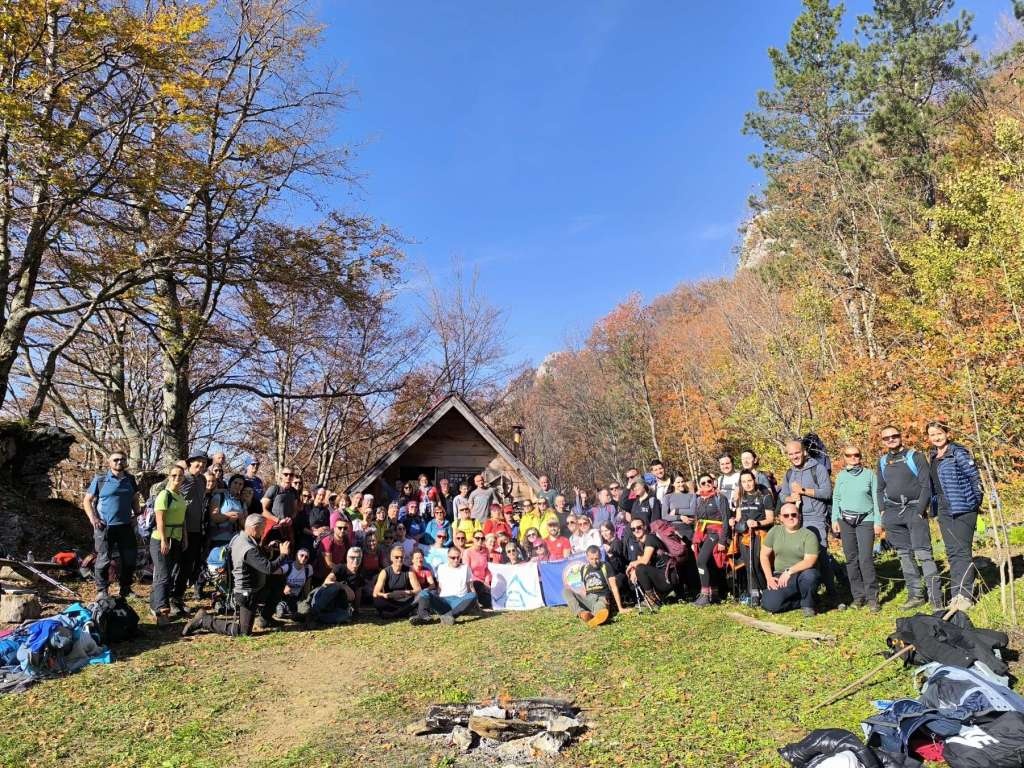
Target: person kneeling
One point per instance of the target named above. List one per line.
(789, 555)
(257, 585)
(455, 593)
(593, 605)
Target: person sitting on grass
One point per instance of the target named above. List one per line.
(394, 594)
(647, 561)
(257, 585)
(452, 598)
(593, 607)
(298, 580)
(789, 555)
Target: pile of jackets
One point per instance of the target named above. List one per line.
(57, 645)
(966, 715)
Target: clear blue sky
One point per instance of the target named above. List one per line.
(574, 151)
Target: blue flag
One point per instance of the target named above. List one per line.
(557, 575)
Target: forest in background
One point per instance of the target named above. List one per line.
(881, 274)
(158, 294)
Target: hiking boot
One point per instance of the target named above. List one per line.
(271, 623)
(194, 623)
(447, 619)
(858, 602)
(586, 616)
(598, 618)
(419, 621)
(914, 601)
(176, 611)
(873, 606)
(703, 601)
(159, 618)
(809, 613)
(755, 601)
(653, 600)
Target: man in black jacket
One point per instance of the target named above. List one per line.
(904, 496)
(256, 589)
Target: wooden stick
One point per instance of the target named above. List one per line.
(778, 629)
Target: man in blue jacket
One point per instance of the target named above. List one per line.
(904, 496)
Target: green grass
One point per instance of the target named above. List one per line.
(686, 687)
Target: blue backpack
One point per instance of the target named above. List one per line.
(911, 464)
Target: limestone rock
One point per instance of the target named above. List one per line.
(15, 609)
(548, 743)
(462, 737)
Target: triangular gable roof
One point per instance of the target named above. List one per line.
(434, 415)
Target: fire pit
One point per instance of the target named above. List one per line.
(507, 729)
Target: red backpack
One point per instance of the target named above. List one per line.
(675, 545)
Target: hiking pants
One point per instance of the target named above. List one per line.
(394, 609)
(825, 565)
(652, 579)
(121, 538)
(261, 603)
(578, 603)
(910, 536)
(958, 536)
(187, 570)
(858, 548)
(798, 593)
(705, 559)
(751, 555)
(483, 593)
(163, 567)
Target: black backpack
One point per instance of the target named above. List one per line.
(115, 621)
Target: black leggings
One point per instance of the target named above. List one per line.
(705, 560)
(751, 555)
(651, 578)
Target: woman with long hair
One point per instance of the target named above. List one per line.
(754, 516)
(710, 538)
(956, 496)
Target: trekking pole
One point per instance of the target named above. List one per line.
(867, 676)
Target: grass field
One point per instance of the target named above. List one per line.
(686, 687)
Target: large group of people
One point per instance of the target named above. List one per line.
(423, 551)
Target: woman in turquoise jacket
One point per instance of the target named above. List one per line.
(855, 519)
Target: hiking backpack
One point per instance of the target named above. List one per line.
(911, 464)
(115, 621)
(814, 447)
(675, 545)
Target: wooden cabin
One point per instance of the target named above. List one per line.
(450, 441)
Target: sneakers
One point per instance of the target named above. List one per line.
(419, 621)
(874, 607)
(586, 617)
(194, 623)
(447, 619)
(808, 613)
(841, 607)
(914, 601)
(858, 602)
(703, 601)
(598, 618)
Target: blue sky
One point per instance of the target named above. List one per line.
(573, 151)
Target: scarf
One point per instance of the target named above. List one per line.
(706, 492)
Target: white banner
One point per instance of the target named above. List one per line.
(515, 587)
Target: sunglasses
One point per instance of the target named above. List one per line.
(788, 516)
(890, 437)
(636, 527)
(852, 455)
(705, 482)
(453, 557)
(118, 460)
(478, 538)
